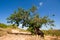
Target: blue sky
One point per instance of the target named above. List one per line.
(45, 7)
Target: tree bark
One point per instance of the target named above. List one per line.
(38, 32)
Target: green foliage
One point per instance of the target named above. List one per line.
(29, 19)
(7, 26)
(12, 26)
(3, 25)
(16, 17)
(31, 30)
(52, 32)
(33, 9)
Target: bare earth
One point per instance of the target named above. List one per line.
(16, 35)
(19, 37)
(26, 37)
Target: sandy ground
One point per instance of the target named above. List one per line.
(19, 37)
(26, 37)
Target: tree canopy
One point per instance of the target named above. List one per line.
(29, 18)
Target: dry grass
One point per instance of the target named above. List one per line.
(2, 32)
(52, 38)
(5, 36)
(20, 37)
(27, 37)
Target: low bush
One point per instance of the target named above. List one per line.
(3, 25)
(52, 32)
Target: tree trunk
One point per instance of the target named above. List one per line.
(38, 32)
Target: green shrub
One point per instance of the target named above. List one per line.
(52, 32)
(3, 25)
(12, 26)
(7, 26)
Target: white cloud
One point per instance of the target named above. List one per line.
(41, 3)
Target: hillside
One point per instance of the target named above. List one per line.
(20, 34)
